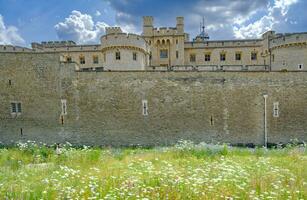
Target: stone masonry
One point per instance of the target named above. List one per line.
(107, 108)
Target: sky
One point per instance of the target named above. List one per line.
(84, 21)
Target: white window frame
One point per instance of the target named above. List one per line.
(16, 108)
(276, 109)
(145, 107)
(64, 106)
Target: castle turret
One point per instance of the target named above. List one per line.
(113, 30)
(180, 25)
(147, 25)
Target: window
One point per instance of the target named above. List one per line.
(207, 57)
(163, 53)
(68, 59)
(63, 106)
(104, 57)
(238, 56)
(134, 55)
(222, 56)
(273, 58)
(145, 107)
(82, 59)
(192, 58)
(176, 41)
(300, 66)
(253, 56)
(150, 55)
(95, 59)
(275, 109)
(177, 54)
(117, 55)
(15, 107)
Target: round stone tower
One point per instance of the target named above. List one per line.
(122, 51)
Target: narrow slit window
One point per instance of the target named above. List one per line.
(145, 107)
(134, 55)
(64, 106)
(222, 57)
(276, 109)
(13, 108)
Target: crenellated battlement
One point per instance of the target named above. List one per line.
(123, 40)
(11, 48)
(288, 39)
(113, 30)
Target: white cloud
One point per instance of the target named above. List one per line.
(97, 14)
(9, 35)
(81, 28)
(276, 14)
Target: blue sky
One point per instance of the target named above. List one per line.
(84, 21)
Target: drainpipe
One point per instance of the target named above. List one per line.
(265, 96)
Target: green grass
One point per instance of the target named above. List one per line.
(185, 171)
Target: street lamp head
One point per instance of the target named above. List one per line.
(265, 96)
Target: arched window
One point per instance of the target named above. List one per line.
(82, 59)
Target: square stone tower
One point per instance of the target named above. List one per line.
(148, 26)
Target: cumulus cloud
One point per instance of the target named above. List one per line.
(9, 35)
(224, 19)
(80, 28)
(276, 13)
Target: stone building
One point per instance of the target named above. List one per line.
(155, 89)
(169, 48)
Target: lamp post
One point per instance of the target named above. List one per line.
(265, 96)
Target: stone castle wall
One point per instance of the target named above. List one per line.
(106, 108)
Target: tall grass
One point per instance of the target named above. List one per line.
(185, 171)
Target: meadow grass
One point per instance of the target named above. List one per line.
(184, 171)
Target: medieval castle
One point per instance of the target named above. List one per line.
(155, 89)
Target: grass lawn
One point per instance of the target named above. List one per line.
(185, 171)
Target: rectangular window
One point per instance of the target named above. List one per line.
(63, 106)
(104, 57)
(273, 58)
(238, 56)
(163, 53)
(145, 107)
(82, 60)
(207, 57)
(300, 66)
(68, 59)
(222, 56)
(134, 55)
(117, 55)
(192, 58)
(253, 56)
(177, 54)
(95, 59)
(15, 107)
(276, 109)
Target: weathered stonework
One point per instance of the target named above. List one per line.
(105, 108)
